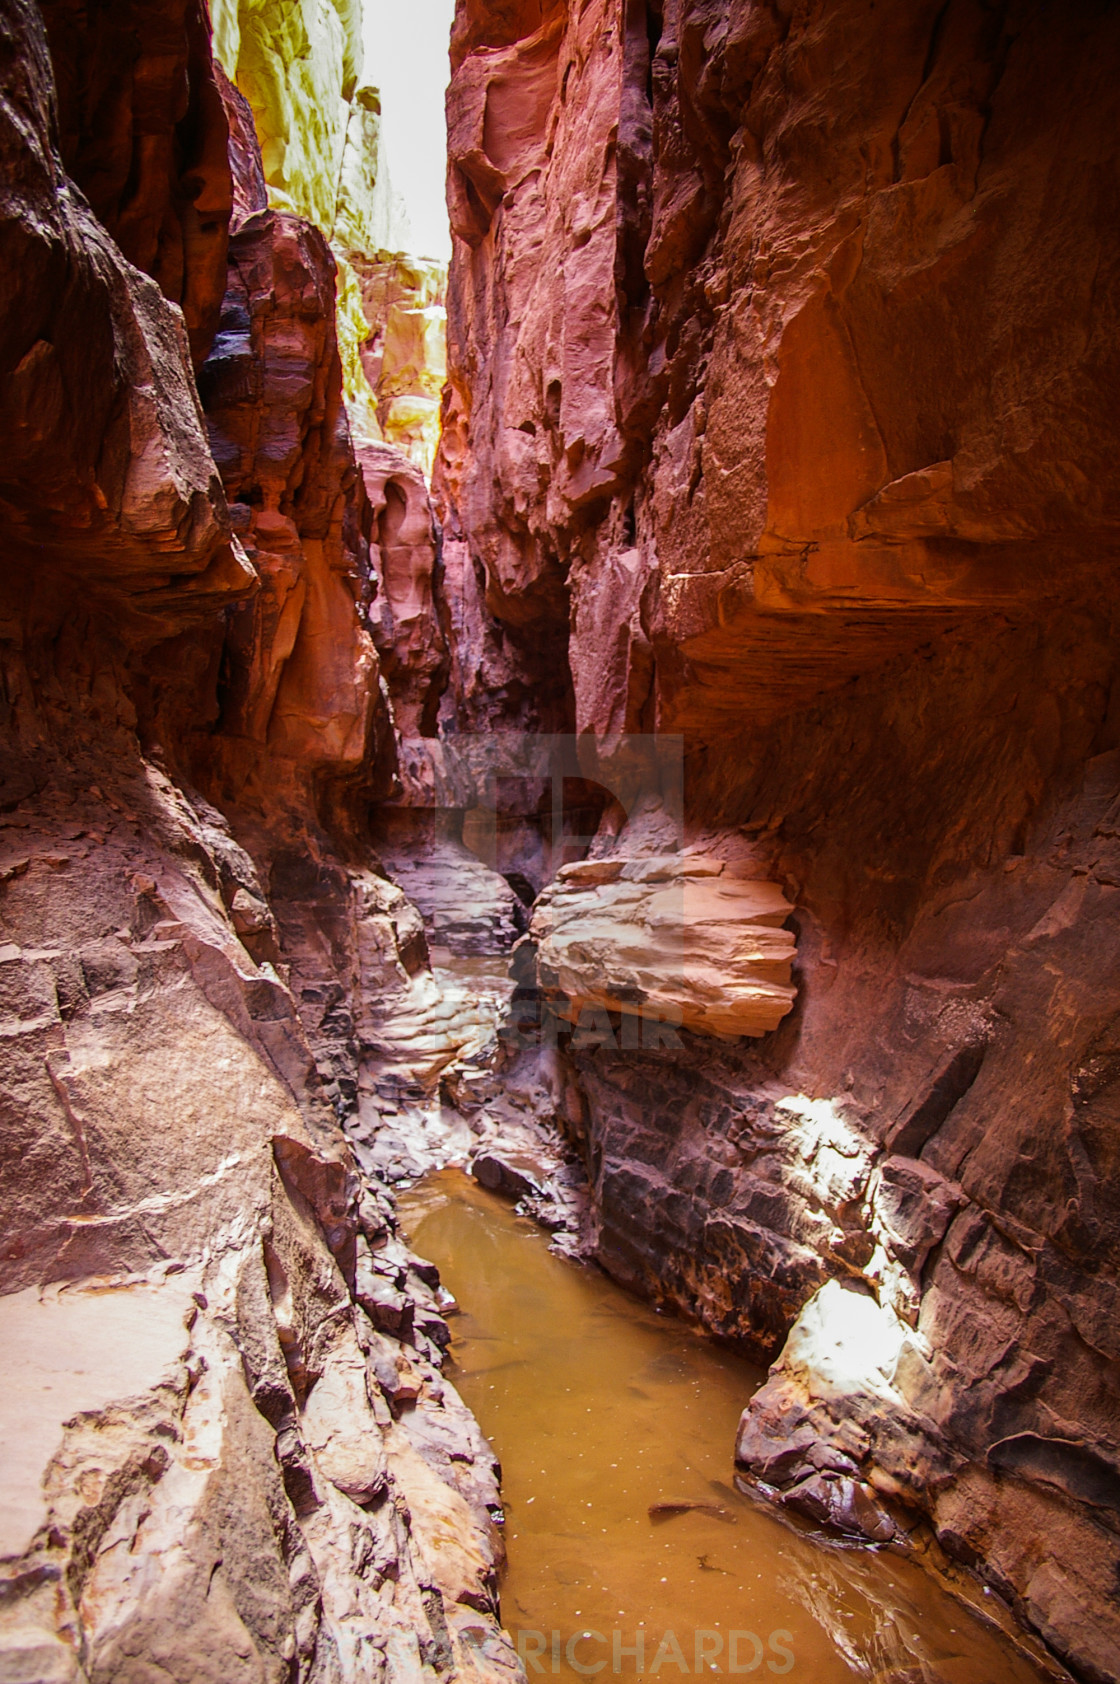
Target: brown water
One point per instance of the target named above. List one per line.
(600, 1408)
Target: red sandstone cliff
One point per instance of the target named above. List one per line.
(142, 131)
(782, 360)
(218, 1354)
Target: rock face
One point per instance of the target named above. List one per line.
(303, 678)
(633, 396)
(106, 469)
(142, 132)
(301, 739)
(779, 419)
(228, 1449)
(405, 355)
(299, 65)
(675, 940)
(470, 911)
(404, 617)
(209, 1448)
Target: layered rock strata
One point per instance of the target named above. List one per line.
(228, 1448)
(673, 940)
(778, 418)
(225, 1427)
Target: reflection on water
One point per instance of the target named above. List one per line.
(601, 1410)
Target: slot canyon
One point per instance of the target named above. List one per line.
(559, 826)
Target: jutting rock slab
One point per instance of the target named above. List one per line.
(679, 939)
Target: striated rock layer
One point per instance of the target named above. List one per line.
(675, 940)
(782, 345)
(228, 1451)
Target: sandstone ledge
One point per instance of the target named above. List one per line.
(683, 939)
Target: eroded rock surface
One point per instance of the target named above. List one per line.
(404, 617)
(107, 470)
(142, 133)
(206, 1467)
(405, 354)
(778, 420)
(677, 940)
(677, 271)
(228, 1449)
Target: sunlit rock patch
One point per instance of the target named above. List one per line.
(679, 939)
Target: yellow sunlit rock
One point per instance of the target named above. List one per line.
(414, 360)
(411, 422)
(299, 64)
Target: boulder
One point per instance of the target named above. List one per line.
(681, 940)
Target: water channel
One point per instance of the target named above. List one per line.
(611, 1421)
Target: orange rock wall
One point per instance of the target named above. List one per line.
(737, 338)
(782, 345)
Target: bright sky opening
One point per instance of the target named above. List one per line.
(406, 59)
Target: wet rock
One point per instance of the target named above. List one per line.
(389, 1310)
(776, 1445)
(849, 1505)
(510, 1174)
(669, 1510)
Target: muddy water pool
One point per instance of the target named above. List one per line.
(600, 1410)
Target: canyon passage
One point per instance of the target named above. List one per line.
(559, 841)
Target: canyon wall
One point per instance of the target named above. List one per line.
(780, 421)
(317, 112)
(300, 67)
(228, 1449)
